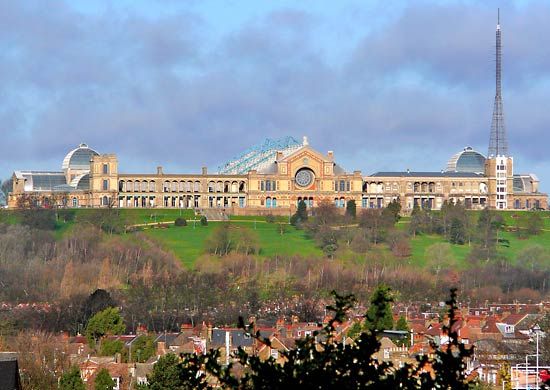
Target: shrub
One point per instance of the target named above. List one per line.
(270, 218)
(180, 222)
(204, 221)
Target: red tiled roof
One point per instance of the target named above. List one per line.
(490, 326)
(513, 319)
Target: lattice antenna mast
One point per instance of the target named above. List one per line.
(498, 143)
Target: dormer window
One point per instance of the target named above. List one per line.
(509, 329)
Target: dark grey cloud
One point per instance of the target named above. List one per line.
(167, 90)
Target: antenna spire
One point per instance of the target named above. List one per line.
(498, 144)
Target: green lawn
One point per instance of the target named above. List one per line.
(187, 243)
(421, 243)
(258, 218)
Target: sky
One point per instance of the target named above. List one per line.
(387, 85)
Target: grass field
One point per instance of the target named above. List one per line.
(187, 243)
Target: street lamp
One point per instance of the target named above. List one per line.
(537, 330)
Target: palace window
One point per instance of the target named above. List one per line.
(268, 185)
(75, 202)
(342, 185)
(105, 185)
(105, 169)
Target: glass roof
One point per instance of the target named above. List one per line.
(81, 182)
(468, 160)
(79, 158)
(46, 182)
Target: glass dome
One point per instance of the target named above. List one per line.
(467, 160)
(79, 158)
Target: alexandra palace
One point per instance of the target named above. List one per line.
(276, 175)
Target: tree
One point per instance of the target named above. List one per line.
(97, 301)
(488, 225)
(219, 242)
(143, 348)
(392, 210)
(41, 219)
(6, 186)
(402, 324)
(535, 223)
(108, 220)
(439, 256)
(399, 243)
(300, 215)
(320, 361)
(180, 221)
(106, 322)
(71, 380)
(166, 374)
(111, 347)
(351, 209)
(457, 232)
(375, 224)
(204, 221)
(325, 213)
(379, 314)
(103, 380)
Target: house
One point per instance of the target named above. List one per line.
(9, 372)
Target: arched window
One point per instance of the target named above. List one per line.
(274, 202)
(211, 186)
(75, 202)
(174, 186)
(197, 187)
(268, 202)
(152, 186)
(105, 201)
(122, 186)
(144, 186)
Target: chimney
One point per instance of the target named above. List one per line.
(204, 170)
(159, 171)
(330, 154)
(118, 357)
(279, 155)
(226, 347)
(161, 348)
(209, 332)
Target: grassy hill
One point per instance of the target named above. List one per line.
(188, 243)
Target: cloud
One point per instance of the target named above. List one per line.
(171, 88)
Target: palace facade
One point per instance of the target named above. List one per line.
(276, 182)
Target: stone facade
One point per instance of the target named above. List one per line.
(305, 174)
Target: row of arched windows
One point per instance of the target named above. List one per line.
(226, 186)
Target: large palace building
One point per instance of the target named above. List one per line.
(273, 180)
(275, 176)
